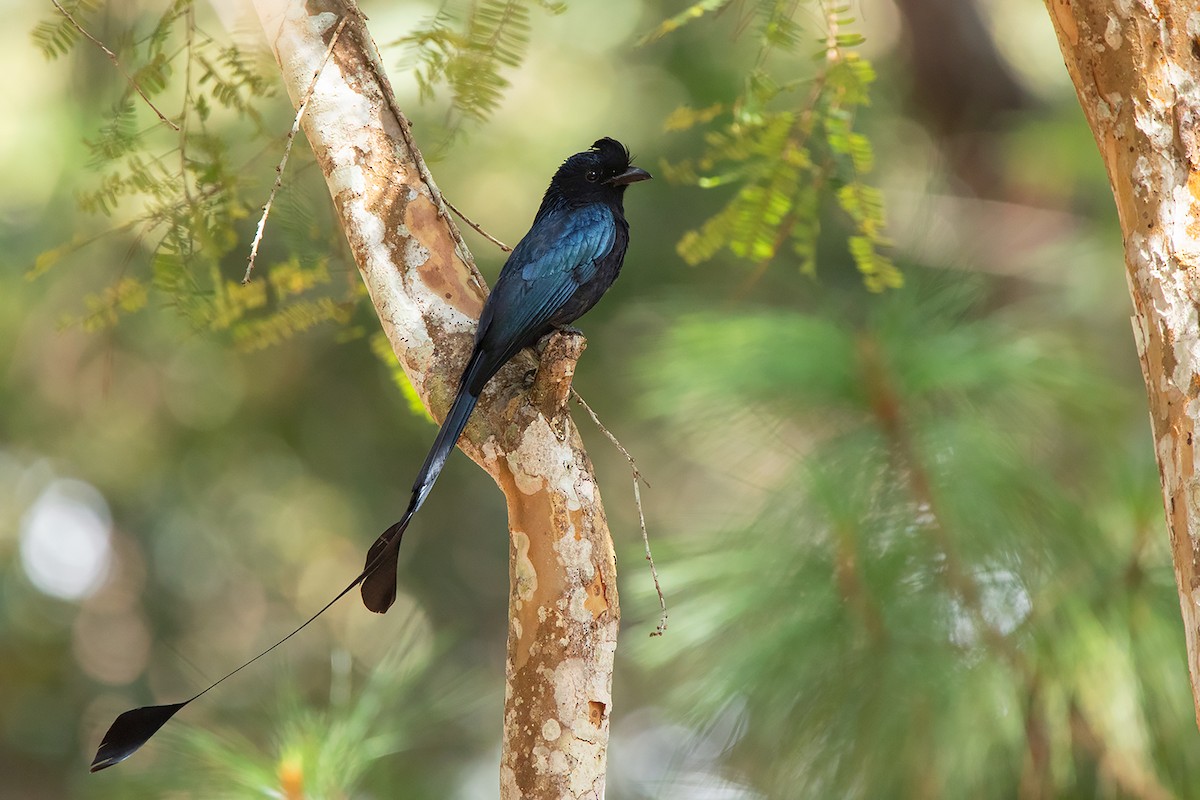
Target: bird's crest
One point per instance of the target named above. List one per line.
(609, 148)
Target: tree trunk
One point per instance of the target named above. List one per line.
(421, 278)
(1136, 67)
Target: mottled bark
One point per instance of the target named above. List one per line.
(563, 601)
(1136, 68)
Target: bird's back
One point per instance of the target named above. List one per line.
(561, 267)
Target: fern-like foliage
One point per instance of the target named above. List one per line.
(782, 154)
(181, 195)
(188, 199)
(689, 14)
(468, 51)
(57, 36)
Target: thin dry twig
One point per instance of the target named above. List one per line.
(477, 227)
(637, 498)
(187, 104)
(287, 150)
(113, 58)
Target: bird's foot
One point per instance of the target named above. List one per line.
(552, 383)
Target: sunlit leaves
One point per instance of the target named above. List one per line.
(232, 79)
(321, 748)
(181, 197)
(685, 117)
(116, 137)
(864, 204)
(289, 320)
(383, 351)
(468, 56)
(689, 14)
(783, 160)
(105, 308)
(152, 76)
(233, 302)
(56, 36)
(778, 28)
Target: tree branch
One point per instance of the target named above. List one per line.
(1136, 72)
(287, 151)
(563, 601)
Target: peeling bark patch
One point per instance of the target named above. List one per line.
(554, 654)
(444, 277)
(508, 782)
(538, 459)
(536, 574)
(524, 572)
(596, 712)
(596, 602)
(1193, 185)
(1065, 18)
(572, 682)
(1112, 33)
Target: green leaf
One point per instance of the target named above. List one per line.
(689, 14)
(878, 271)
(685, 117)
(56, 36)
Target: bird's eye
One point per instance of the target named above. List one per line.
(592, 176)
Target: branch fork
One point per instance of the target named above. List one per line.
(564, 614)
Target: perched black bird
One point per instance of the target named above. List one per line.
(571, 255)
(569, 258)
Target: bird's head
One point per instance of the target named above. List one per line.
(598, 174)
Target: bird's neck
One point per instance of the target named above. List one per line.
(555, 201)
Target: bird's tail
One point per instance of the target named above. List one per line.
(379, 586)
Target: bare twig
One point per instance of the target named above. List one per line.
(477, 228)
(637, 498)
(287, 150)
(187, 104)
(113, 58)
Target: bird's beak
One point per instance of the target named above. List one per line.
(631, 175)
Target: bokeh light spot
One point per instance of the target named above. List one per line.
(112, 648)
(66, 540)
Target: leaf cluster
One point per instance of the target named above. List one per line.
(56, 36)
(180, 195)
(782, 145)
(468, 49)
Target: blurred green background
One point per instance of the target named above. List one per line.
(912, 540)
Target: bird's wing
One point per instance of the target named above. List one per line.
(555, 258)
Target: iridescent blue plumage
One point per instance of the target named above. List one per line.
(567, 261)
(559, 270)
